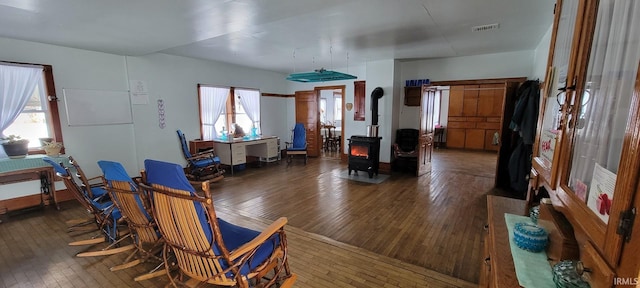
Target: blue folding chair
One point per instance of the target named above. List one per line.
(202, 166)
(298, 144)
(106, 216)
(209, 249)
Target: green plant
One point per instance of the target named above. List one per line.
(14, 139)
(52, 144)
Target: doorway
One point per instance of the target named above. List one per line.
(331, 108)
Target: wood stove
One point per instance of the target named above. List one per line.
(364, 151)
(364, 154)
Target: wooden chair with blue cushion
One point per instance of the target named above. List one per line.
(106, 216)
(201, 166)
(135, 208)
(209, 249)
(298, 144)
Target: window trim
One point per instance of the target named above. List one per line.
(230, 105)
(53, 117)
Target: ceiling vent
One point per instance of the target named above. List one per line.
(487, 27)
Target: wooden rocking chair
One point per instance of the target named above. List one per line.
(208, 249)
(106, 216)
(134, 206)
(203, 166)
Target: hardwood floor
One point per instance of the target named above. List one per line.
(434, 221)
(404, 232)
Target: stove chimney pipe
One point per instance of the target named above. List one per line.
(375, 95)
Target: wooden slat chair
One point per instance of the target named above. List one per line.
(208, 249)
(94, 190)
(134, 206)
(105, 214)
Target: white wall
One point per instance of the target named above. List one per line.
(499, 65)
(174, 79)
(382, 74)
(170, 78)
(541, 55)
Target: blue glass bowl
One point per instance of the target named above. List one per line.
(530, 237)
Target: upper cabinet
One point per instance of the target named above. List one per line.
(560, 74)
(589, 133)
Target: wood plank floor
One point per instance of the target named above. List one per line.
(404, 232)
(434, 221)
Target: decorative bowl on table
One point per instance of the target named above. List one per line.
(530, 237)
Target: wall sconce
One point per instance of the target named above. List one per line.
(349, 106)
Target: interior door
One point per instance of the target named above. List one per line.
(307, 112)
(425, 139)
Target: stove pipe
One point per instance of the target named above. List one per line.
(375, 95)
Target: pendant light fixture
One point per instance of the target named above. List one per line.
(320, 75)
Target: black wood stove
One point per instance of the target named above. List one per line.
(364, 154)
(364, 151)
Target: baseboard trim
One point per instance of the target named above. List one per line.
(29, 201)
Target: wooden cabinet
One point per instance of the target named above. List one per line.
(470, 100)
(497, 268)
(456, 100)
(412, 95)
(588, 140)
(475, 115)
(359, 109)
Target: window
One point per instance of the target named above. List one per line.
(436, 108)
(220, 113)
(36, 116)
(323, 110)
(337, 109)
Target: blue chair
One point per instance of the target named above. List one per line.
(106, 216)
(203, 165)
(209, 249)
(135, 207)
(298, 144)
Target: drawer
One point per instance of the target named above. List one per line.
(457, 119)
(462, 125)
(489, 125)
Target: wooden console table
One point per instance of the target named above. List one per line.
(498, 269)
(30, 168)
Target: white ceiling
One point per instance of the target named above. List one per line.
(281, 35)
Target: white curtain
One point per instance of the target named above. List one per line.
(250, 101)
(212, 103)
(611, 74)
(16, 87)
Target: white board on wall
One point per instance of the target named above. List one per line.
(97, 107)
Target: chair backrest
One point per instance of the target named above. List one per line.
(187, 222)
(133, 204)
(184, 145)
(407, 139)
(84, 181)
(72, 185)
(299, 136)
